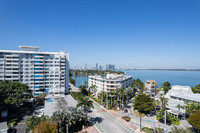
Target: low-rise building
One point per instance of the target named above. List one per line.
(177, 95)
(110, 82)
(150, 88)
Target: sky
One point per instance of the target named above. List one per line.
(130, 33)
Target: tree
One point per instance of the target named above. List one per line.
(86, 103)
(159, 89)
(179, 107)
(166, 86)
(138, 85)
(93, 89)
(143, 104)
(191, 107)
(121, 94)
(70, 118)
(42, 95)
(163, 101)
(129, 92)
(72, 81)
(101, 96)
(14, 93)
(181, 130)
(45, 127)
(33, 121)
(194, 120)
(196, 89)
(60, 118)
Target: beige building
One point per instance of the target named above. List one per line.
(150, 88)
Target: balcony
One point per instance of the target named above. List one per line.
(11, 59)
(39, 56)
(11, 66)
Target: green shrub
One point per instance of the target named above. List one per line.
(127, 118)
(158, 117)
(150, 130)
(42, 95)
(91, 96)
(176, 123)
(147, 130)
(12, 123)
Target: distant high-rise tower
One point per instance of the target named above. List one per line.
(97, 66)
(110, 67)
(85, 66)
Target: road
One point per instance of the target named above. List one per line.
(107, 123)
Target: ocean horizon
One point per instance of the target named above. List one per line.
(185, 78)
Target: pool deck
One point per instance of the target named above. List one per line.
(55, 103)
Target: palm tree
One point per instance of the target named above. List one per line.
(85, 103)
(32, 122)
(128, 93)
(69, 117)
(137, 84)
(187, 106)
(60, 118)
(163, 101)
(93, 89)
(121, 95)
(179, 107)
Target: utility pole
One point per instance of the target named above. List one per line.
(154, 130)
(165, 120)
(102, 98)
(66, 128)
(107, 98)
(111, 102)
(140, 122)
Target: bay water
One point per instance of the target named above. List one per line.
(186, 78)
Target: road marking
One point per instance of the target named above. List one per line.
(121, 123)
(22, 123)
(99, 128)
(148, 121)
(100, 111)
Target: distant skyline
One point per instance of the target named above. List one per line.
(131, 33)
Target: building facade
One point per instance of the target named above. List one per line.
(150, 88)
(178, 95)
(110, 82)
(41, 71)
(110, 67)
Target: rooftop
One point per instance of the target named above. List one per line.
(32, 50)
(183, 92)
(112, 77)
(55, 103)
(28, 48)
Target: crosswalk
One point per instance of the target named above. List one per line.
(121, 123)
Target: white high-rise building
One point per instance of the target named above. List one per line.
(41, 71)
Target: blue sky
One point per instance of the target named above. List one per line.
(130, 33)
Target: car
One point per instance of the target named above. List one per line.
(148, 115)
(168, 122)
(125, 111)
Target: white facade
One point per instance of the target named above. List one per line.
(41, 71)
(178, 95)
(110, 82)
